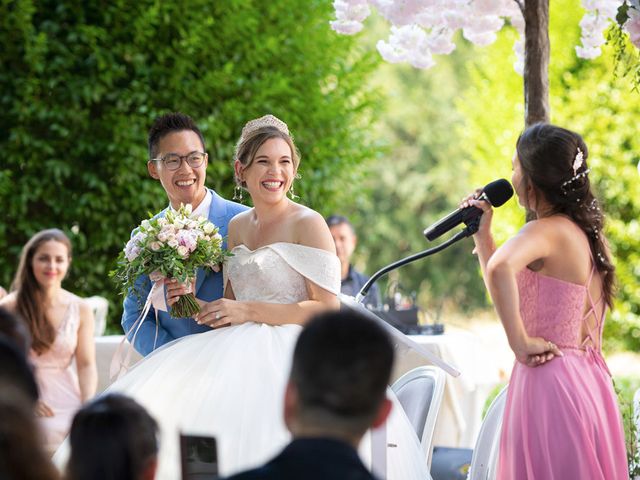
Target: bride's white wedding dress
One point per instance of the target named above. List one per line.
(230, 382)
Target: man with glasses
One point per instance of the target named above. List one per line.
(178, 159)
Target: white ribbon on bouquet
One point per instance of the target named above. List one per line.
(121, 358)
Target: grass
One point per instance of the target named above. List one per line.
(625, 388)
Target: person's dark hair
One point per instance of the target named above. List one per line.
(22, 455)
(341, 367)
(170, 123)
(547, 154)
(29, 298)
(112, 437)
(15, 371)
(248, 146)
(14, 328)
(333, 220)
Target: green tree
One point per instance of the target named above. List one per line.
(585, 98)
(420, 177)
(82, 81)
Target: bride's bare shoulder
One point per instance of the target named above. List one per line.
(241, 218)
(237, 226)
(311, 229)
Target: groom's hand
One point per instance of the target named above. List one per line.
(175, 289)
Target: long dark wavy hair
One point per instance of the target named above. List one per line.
(547, 154)
(30, 301)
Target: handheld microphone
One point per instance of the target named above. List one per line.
(496, 193)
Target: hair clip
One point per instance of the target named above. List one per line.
(578, 162)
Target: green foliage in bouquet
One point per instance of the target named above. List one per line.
(173, 246)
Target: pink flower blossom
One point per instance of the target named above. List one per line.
(632, 26)
(188, 239)
(421, 28)
(133, 247)
(349, 16)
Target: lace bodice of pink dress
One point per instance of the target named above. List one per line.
(57, 378)
(561, 419)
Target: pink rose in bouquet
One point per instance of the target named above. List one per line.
(173, 246)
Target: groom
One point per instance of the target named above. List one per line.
(178, 159)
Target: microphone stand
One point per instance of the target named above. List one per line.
(472, 227)
(379, 438)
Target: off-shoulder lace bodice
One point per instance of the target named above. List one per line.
(276, 273)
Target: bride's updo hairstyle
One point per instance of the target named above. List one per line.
(29, 295)
(554, 161)
(254, 134)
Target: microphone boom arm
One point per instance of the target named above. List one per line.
(472, 227)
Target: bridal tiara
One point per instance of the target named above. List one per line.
(264, 121)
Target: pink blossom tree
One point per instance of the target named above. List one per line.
(421, 29)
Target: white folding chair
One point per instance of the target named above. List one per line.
(100, 307)
(485, 454)
(420, 393)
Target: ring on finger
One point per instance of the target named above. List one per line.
(217, 315)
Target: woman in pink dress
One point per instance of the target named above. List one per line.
(551, 285)
(61, 327)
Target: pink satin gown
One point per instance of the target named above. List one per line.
(561, 419)
(58, 380)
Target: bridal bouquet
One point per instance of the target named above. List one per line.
(173, 246)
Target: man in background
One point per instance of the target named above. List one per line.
(346, 240)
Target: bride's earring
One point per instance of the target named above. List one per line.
(291, 192)
(237, 193)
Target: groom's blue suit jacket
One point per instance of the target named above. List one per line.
(208, 288)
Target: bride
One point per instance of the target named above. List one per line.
(230, 382)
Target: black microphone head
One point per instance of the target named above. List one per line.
(498, 192)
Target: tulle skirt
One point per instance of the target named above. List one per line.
(230, 383)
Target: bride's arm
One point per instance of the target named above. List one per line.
(231, 243)
(231, 312)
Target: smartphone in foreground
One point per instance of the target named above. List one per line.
(199, 457)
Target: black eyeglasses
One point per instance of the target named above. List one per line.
(173, 161)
